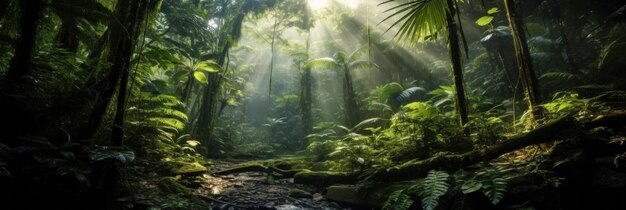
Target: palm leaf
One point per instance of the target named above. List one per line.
(328, 63)
(422, 19)
(362, 65)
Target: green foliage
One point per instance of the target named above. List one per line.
(102, 153)
(484, 20)
(431, 188)
(493, 184)
(398, 200)
(565, 103)
(421, 20)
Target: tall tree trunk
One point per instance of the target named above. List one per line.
(209, 104)
(139, 17)
(121, 43)
(19, 67)
(350, 105)
(20, 64)
(306, 97)
(524, 60)
(272, 48)
(457, 67)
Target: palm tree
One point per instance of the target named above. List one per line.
(341, 62)
(423, 20)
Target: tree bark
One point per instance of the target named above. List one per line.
(457, 67)
(524, 60)
(350, 105)
(20, 64)
(19, 68)
(306, 97)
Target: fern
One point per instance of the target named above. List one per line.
(398, 200)
(433, 186)
(493, 184)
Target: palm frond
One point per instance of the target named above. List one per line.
(422, 19)
(328, 63)
(361, 64)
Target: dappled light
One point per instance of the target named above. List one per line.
(312, 104)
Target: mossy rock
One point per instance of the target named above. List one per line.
(169, 185)
(376, 196)
(194, 168)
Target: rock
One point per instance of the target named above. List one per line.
(345, 194)
(287, 207)
(298, 193)
(190, 169)
(318, 197)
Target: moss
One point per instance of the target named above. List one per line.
(190, 168)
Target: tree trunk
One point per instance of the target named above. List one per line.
(188, 87)
(20, 64)
(524, 60)
(350, 105)
(208, 106)
(306, 97)
(457, 67)
(19, 67)
(121, 44)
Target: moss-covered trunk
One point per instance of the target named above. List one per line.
(524, 61)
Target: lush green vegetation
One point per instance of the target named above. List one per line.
(432, 104)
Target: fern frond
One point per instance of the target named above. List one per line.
(432, 187)
(398, 200)
(493, 184)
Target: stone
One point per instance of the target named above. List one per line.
(298, 193)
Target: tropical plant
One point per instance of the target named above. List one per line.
(440, 187)
(423, 20)
(345, 63)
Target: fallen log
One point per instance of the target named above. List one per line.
(451, 162)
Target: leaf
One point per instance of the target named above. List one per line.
(193, 143)
(432, 187)
(398, 200)
(484, 20)
(201, 77)
(470, 186)
(327, 63)
(105, 153)
(493, 11)
(209, 66)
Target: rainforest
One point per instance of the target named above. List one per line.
(312, 104)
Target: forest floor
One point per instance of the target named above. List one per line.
(233, 191)
(255, 190)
